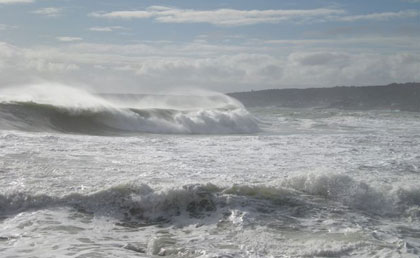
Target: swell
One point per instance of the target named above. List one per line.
(302, 195)
(102, 120)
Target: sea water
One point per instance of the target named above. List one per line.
(83, 175)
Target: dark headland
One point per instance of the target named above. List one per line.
(404, 97)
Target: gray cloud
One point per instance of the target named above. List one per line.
(106, 28)
(323, 59)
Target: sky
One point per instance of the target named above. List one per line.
(155, 46)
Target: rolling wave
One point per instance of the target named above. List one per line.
(69, 110)
(299, 195)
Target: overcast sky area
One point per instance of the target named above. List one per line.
(141, 46)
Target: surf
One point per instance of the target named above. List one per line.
(306, 192)
(61, 108)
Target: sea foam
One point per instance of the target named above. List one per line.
(55, 107)
(143, 202)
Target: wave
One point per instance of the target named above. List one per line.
(63, 109)
(300, 195)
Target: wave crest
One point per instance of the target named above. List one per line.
(198, 200)
(68, 110)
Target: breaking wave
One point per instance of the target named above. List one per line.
(52, 107)
(303, 194)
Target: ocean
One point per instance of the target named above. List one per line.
(85, 175)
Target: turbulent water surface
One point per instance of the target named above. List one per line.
(139, 176)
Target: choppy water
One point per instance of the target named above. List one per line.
(217, 181)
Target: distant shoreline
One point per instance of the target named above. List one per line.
(404, 97)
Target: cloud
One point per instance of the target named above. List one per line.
(381, 16)
(7, 27)
(411, 1)
(106, 29)
(20, 63)
(69, 39)
(344, 68)
(15, 1)
(234, 17)
(224, 17)
(123, 14)
(153, 66)
(321, 59)
(407, 43)
(49, 11)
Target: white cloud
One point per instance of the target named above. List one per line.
(123, 14)
(15, 1)
(234, 17)
(225, 17)
(44, 65)
(381, 16)
(49, 11)
(369, 42)
(69, 39)
(325, 68)
(7, 27)
(20, 63)
(106, 29)
(156, 66)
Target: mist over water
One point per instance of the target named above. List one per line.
(53, 107)
(199, 175)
